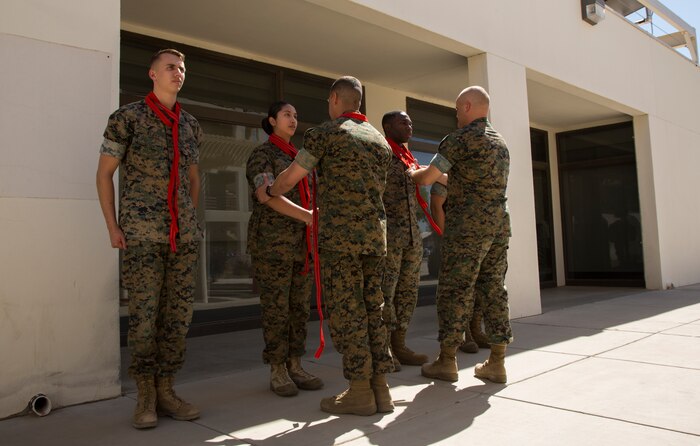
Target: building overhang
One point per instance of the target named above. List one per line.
(352, 40)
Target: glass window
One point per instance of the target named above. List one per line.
(600, 206)
(597, 144)
(431, 123)
(308, 95)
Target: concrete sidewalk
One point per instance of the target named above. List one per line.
(622, 369)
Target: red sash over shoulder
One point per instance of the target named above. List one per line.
(303, 186)
(407, 158)
(311, 232)
(355, 115)
(171, 119)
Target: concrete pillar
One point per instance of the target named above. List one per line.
(382, 100)
(653, 276)
(505, 82)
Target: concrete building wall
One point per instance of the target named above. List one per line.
(58, 287)
(613, 64)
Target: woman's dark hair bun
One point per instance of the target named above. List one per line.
(265, 124)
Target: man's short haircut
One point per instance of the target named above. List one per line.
(390, 116)
(172, 51)
(349, 90)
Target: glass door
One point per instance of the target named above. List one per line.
(600, 206)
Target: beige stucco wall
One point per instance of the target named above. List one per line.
(58, 287)
(613, 64)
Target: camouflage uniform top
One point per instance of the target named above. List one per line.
(144, 145)
(401, 205)
(352, 158)
(478, 162)
(270, 232)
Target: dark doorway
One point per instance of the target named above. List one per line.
(600, 206)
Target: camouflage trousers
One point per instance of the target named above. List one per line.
(473, 266)
(353, 297)
(161, 294)
(284, 300)
(400, 284)
(478, 295)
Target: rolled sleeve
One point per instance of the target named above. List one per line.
(259, 179)
(306, 159)
(112, 148)
(441, 163)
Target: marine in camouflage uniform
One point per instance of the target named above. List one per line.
(351, 158)
(475, 241)
(404, 245)
(477, 229)
(277, 245)
(474, 338)
(283, 270)
(160, 281)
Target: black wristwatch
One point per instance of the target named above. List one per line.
(267, 191)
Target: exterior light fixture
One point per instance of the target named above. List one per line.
(593, 11)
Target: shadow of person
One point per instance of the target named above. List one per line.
(325, 429)
(437, 412)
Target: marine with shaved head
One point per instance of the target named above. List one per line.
(475, 242)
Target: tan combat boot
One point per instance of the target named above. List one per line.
(280, 382)
(477, 333)
(404, 354)
(145, 414)
(172, 405)
(302, 379)
(382, 396)
(356, 400)
(493, 368)
(444, 367)
(469, 346)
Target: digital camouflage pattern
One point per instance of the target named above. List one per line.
(277, 245)
(477, 230)
(351, 160)
(401, 206)
(268, 230)
(161, 293)
(284, 302)
(440, 190)
(404, 247)
(144, 145)
(354, 300)
(160, 283)
(400, 284)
